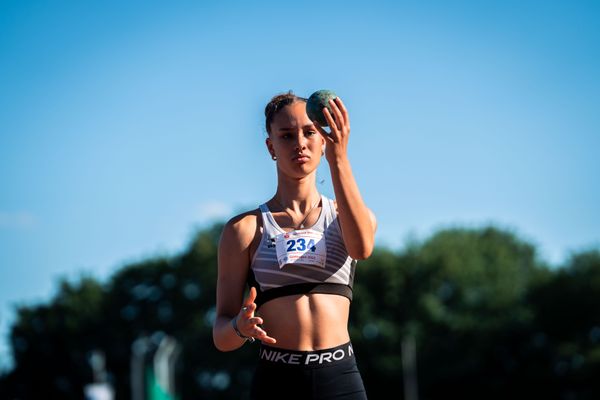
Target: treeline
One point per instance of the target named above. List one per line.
(488, 319)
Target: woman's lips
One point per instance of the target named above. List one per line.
(301, 159)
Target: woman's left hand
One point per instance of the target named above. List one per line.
(339, 124)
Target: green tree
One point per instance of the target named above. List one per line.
(486, 314)
(564, 349)
(459, 294)
(50, 343)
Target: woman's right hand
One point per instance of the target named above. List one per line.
(248, 324)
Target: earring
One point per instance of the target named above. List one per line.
(322, 152)
(274, 157)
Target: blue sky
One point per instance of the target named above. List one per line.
(125, 127)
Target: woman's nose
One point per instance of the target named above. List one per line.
(300, 142)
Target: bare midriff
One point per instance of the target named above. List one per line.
(307, 322)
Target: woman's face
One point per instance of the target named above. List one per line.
(295, 141)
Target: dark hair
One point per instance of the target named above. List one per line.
(277, 103)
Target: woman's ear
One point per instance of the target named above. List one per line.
(269, 145)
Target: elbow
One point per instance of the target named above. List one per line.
(361, 245)
(216, 341)
(219, 343)
(362, 252)
(221, 347)
(361, 256)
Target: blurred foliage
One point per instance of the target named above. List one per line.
(490, 320)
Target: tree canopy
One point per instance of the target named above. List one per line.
(488, 317)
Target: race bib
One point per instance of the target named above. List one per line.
(304, 246)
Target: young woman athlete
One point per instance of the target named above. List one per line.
(297, 252)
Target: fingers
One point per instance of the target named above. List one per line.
(335, 132)
(337, 119)
(319, 128)
(344, 112)
(249, 326)
(329, 118)
(258, 332)
(336, 113)
(247, 323)
(249, 305)
(267, 339)
(248, 311)
(261, 334)
(323, 132)
(251, 297)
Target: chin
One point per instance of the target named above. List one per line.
(301, 170)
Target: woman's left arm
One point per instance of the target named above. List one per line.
(356, 220)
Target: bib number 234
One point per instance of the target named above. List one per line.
(301, 247)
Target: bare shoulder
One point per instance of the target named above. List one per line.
(241, 229)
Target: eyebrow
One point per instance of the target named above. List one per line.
(293, 129)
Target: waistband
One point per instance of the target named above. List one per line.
(277, 356)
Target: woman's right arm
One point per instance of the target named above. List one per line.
(234, 261)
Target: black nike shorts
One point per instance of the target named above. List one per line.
(308, 375)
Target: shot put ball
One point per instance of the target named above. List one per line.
(315, 104)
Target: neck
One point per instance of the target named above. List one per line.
(297, 194)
